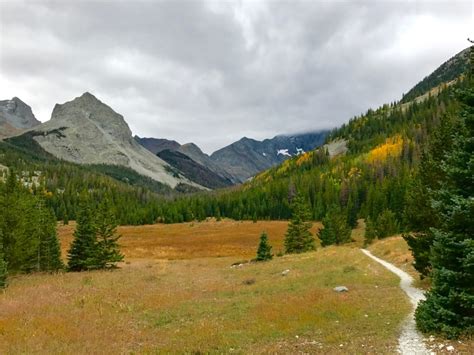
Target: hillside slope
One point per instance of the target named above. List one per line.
(383, 148)
(193, 170)
(447, 72)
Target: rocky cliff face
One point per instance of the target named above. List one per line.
(15, 117)
(86, 131)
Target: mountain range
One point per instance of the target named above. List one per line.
(243, 159)
(87, 131)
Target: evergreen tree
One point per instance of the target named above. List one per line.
(387, 224)
(84, 253)
(3, 267)
(49, 249)
(370, 231)
(264, 251)
(298, 238)
(352, 210)
(420, 246)
(449, 305)
(419, 215)
(336, 230)
(107, 238)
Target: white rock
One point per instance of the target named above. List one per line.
(341, 289)
(450, 348)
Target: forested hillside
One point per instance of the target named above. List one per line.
(384, 149)
(135, 197)
(449, 71)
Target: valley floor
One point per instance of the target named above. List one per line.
(178, 292)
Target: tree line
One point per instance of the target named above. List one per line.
(28, 237)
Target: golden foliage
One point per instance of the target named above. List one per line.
(303, 158)
(391, 148)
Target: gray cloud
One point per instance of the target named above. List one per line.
(212, 72)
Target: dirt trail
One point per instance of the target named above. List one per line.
(410, 341)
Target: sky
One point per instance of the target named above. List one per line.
(211, 72)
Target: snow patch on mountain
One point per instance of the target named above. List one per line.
(283, 152)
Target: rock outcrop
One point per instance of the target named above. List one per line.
(87, 131)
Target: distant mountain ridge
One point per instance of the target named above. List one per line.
(248, 157)
(191, 150)
(245, 158)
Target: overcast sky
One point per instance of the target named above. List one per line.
(212, 72)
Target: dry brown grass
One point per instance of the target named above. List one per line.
(177, 293)
(193, 240)
(204, 305)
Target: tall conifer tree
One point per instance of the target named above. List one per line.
(3, 266)
(298, 238)
(84, 252)
(449, 305)
(264, 251)
(336, 230)
(107, 237)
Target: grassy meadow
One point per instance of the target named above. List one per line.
(178, 292)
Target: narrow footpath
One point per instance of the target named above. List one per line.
(410, 341)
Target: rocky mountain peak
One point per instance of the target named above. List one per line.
(88, 108)
(87, 131)
(17, 114)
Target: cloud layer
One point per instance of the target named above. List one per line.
(211, 72)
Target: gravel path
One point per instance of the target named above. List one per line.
(410, 341)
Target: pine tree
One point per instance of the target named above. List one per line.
(387, 224)
(264, 251)
(84, 252)
(449, 305)
(336, 230)
(419, 215)
(298, 238)
(49, 250)
(107, 238)
(370, 231)
(3, 267)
